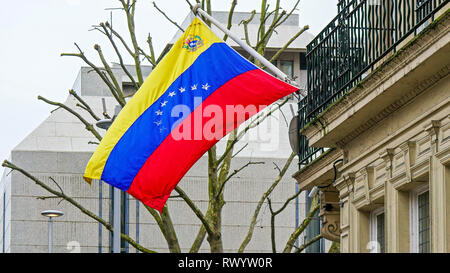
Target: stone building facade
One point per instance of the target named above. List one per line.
(387, 132)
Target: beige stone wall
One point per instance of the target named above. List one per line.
(389, 178)
(393, 133)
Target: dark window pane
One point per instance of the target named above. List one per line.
(312, 230)
(424, 222)
(288, 68)
(380, 232)
(302, 61)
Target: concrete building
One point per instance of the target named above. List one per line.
(378, 109)
(60, 148)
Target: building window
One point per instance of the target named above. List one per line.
(303, 61)
(128, 89)
(377, 231)
(288, 68)
(313, 229)
(124, 220)
(275, 63)
(4, 223)
(420, 220)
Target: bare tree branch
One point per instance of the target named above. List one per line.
(152, 51)
(274, 214)
(245, 23)
(108, 69)
(315, 205)
(249, 235)
(99, 72)
(119, 55)
(195, 209)
(129, 12)
(234, 173)
(190, 5)
(310, 242)
(240, 150)
(122, 40)
(88, 125)
(85, 105)
(281, 50)
(167, 17)
(127, 238)
(230, 17)
(289, 14)
(265, 39)
(166, 227)
(200, 235)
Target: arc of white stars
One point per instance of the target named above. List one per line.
(163, 103)
(194, 87)
(159, 113)
(171, 94)
(206, 86)
(182, 89)
(158, 123)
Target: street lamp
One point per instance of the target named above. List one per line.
(105, 124)
(51, 214)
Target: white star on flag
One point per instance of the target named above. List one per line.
(158, 123)
(194, 87)
(163, 103)
(171, 94)
(182, 89)
(159, 113)
(206, 86)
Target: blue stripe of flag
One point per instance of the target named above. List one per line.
(213, 68)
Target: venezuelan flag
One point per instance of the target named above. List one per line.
(142, 152)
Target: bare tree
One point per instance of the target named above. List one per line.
(219, 164)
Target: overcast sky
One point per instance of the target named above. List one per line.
(33, 33)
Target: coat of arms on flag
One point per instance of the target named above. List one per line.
(193, 42)
(141, 152)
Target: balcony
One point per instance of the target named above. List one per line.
(363, 35)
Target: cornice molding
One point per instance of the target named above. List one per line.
(322, 163)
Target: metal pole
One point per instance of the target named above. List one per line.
(100, 214)
(296, 212)
(242, 44)
(50, 234)
(116, 220)
(246, 47)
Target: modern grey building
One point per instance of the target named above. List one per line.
(60, 148)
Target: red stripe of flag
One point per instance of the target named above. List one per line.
(173, 158)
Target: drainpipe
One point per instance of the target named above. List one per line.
(316, 188)
(296, 212)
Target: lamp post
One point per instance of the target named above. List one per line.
(51, 214)
(105, 124)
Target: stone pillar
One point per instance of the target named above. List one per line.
(396, 211)
(361, 231)
(359, 226)
(439, 194)
(345, 187)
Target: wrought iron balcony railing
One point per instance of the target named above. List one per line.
(351, 45)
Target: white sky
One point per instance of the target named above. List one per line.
(33, 33)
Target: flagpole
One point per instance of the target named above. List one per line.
(246, 47)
